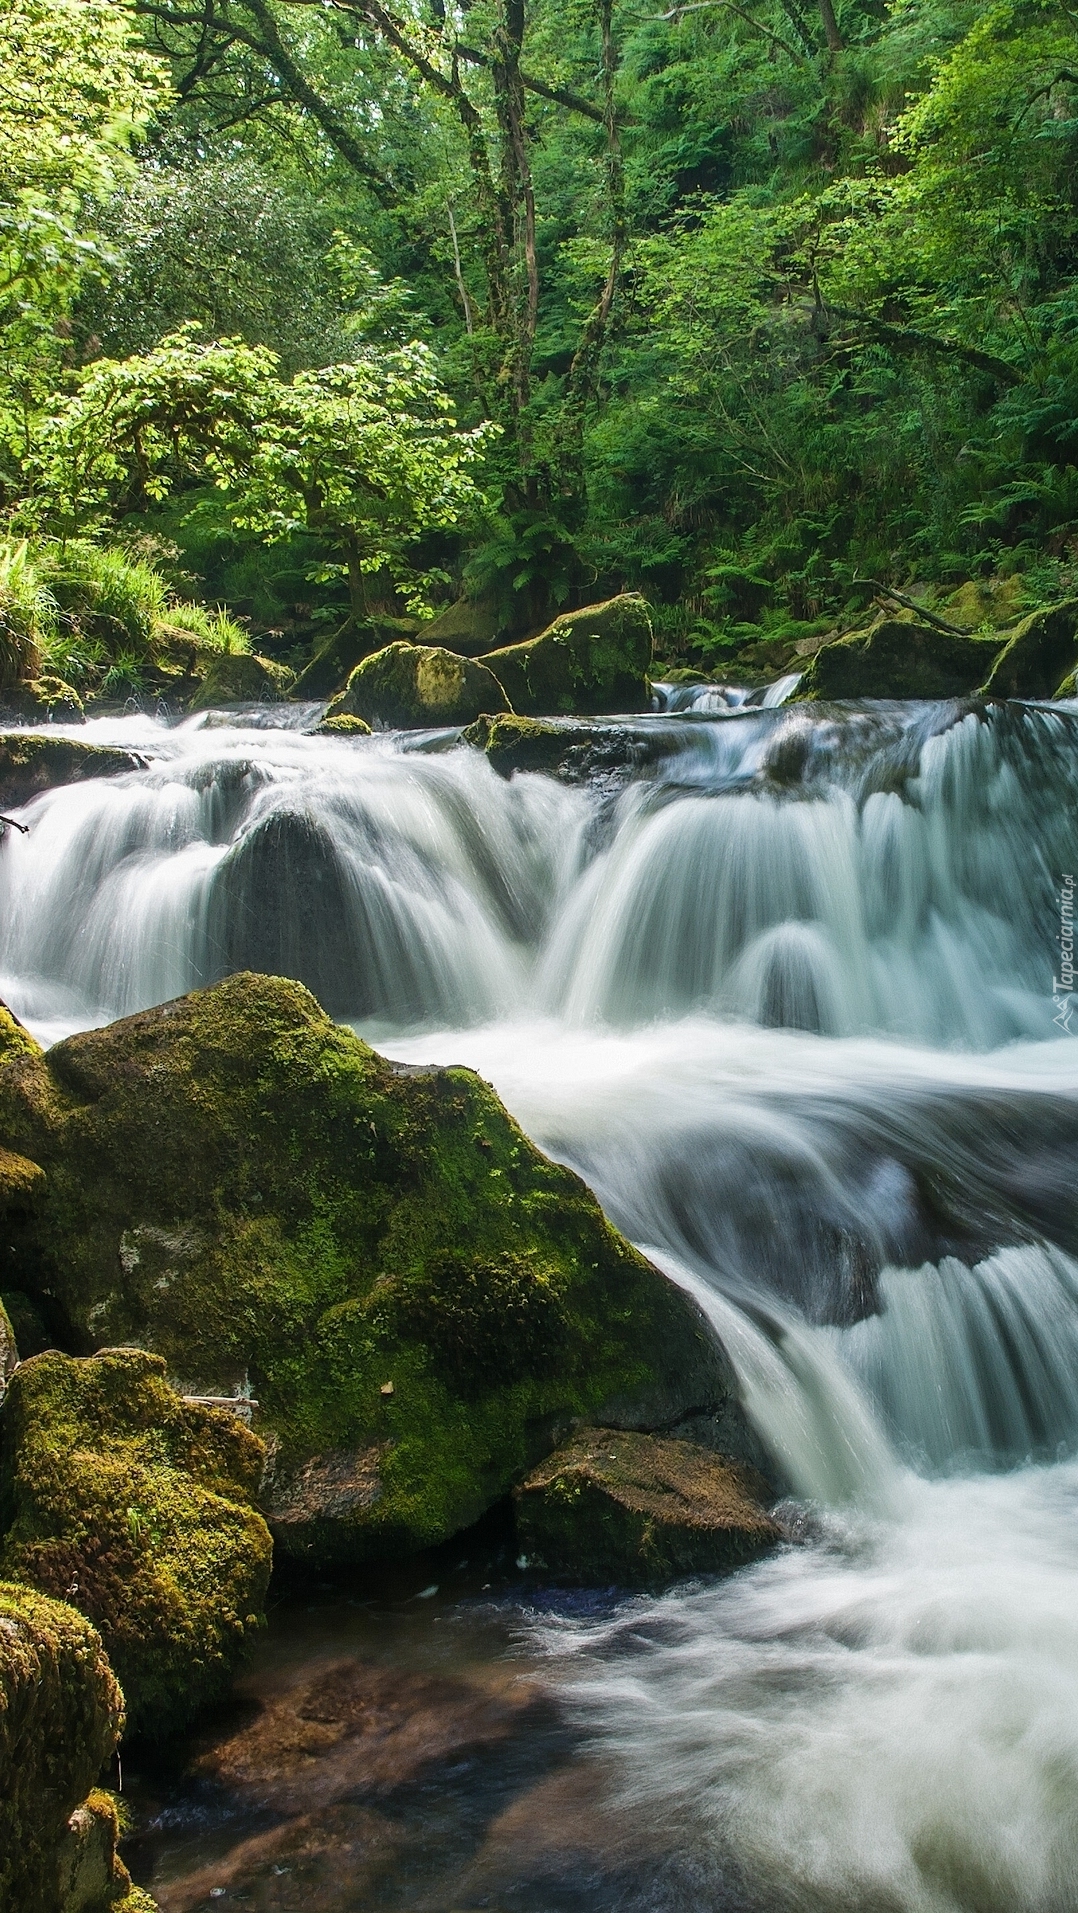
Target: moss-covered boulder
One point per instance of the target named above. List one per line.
(575, 751)
(135, 1506)
(43, 700)
(420, 1299)
(1039, 655)
(587, 662)
(334, 661)
(9, 1349)
(418, 686)
(241, 677)
(898, 657)
(34, 761)
(342, 727)
(61, 1716)
(641, 1510)
(468, 628)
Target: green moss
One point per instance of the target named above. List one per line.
(61, 1715)
(15, 1040)
(588, 661)
(329, 669)
(342, 727)
(418, 685)
(247, 1188)
(135, 1506)
(1039, 655)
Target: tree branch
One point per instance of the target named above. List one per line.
(728, 6)
(906, 338)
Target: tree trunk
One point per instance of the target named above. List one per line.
(830, 26)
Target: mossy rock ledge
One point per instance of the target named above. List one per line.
(587, 662)
(423, 1303)
(898, 657)
(640, 1510)
(34, 761)
(241, 677)
(418, 687)
(575, 750)
(61, 1716)
(136, 1506)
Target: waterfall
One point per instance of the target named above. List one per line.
(784, 989)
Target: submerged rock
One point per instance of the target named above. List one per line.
(422, 1300)
(34, 761)
(241, 677)
(898, 657)
(639, 1510)
(61, 1715)
(588, 661)
(418, 686)
(135, 1506)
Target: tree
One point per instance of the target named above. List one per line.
(366, 454)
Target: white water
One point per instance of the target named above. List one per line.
(786, 1000)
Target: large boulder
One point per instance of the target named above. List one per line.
(61, 1716)
(34, 761)
(329, 669)
(467, 628)
(135, 1506)
(44, 700)
(421, 1301)
(1039, 655)
(640, 1510)
(898, 657)
(241, 677)
(418, 686)
(587, 662)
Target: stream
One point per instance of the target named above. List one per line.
(790, 998)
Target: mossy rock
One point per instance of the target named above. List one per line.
(420, 1298)
(897, 657)
(575, 751)
(92, 1877)
(589, 661)
(467, 628)
(418, 686)
(34, 761)
(42, 700)
(1039, 655)
(9, 1349)
(242, 677)
(342, 727)
(61, 1716)
(332, 664)
(136, 1506)
(639, 1510)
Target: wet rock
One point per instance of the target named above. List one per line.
(135, 1506)
(242, 1186)
(241, 677)
(588, 661)
(342, 727)
(576, 752)
(898, 657)
(640, 1510)
(281, 902)
(61, 1715)
(418, 686)
(1039, 657)
(33, 761)
(329, 669)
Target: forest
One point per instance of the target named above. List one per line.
(318, 314)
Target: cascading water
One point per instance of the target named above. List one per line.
(786, 994)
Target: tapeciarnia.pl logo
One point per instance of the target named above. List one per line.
(1063, 985)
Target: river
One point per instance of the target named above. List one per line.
(791, 1000)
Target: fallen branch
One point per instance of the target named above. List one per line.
(9, 823)
(911, 604)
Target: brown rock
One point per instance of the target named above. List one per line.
(640, 1510)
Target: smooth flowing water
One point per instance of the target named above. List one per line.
(790, 998)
